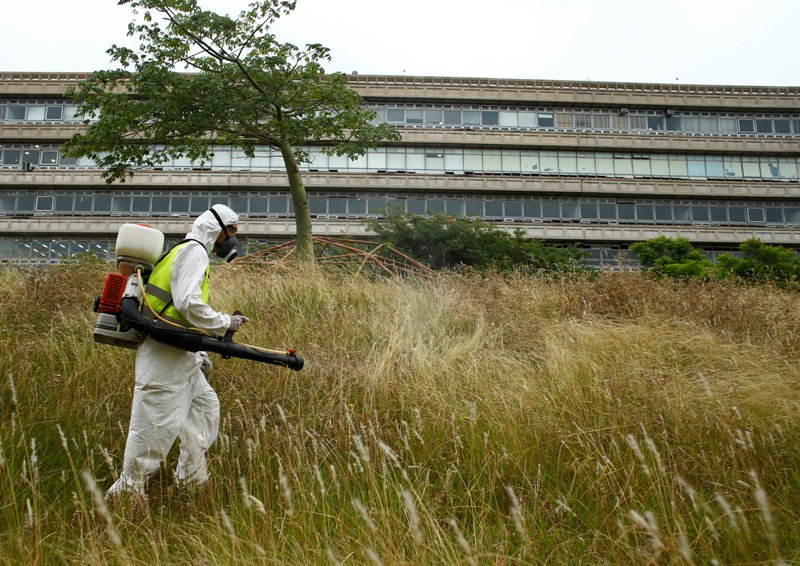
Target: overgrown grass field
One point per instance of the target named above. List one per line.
(463, 419)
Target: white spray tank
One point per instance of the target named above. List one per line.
(138, 245)
(138, 248)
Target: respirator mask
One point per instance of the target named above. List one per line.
(227, 249)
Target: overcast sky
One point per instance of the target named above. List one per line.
(745, 42)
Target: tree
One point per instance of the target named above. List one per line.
(672, 257)
(244, 88)
(443, 242)
(760, 262)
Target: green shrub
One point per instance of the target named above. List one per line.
(672, 257)
(446, 242)
(760, 262)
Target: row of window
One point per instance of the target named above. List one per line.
(367, 205)
(433, 160)
(511, 117)
(452, 116)
(36, 111)
(56, 250)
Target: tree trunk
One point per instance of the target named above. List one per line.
(302, 213)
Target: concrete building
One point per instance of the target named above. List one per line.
(601, 164)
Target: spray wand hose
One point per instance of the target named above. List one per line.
(196, 339)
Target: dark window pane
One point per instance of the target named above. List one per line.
(674, 124)
(546, 120)
(44, 204)
(30, 156)
(198, 204)
(490, 118)
(83, 203)
(49, 157)
(141, 204)
(736, 213)
(608, 211)
(783, 126)
(494, 208)
(681, 212)
(663, 212)
(376, 205)
(66, 161)
(746, 125)
(655, 122)
(11, 157)
(589, 210)
(180, 204)
(474, 207)
(452, 117)
(764, 126)
(454, 207)
(755, 214)
(102, 203)
(239, 204)
(699, 213)
(277, 204)
(121, 204)
(337, 205)
(317, 205)
(261, 204)
(644, 211)
(533, 209)
(416, 206)
(395, 205)
(160, 204)
(435, 206)
(359, 206)
(551, 209)
(16, 112)
(54, 112)
(719, 214)
(792, 215)
(774, 214)
(64, 203)
(626, 211)
(25, 203)
(513, 209)
(570, 210)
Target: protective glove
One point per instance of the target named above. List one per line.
(206, 366)
(237, 320)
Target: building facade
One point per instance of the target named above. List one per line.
(599, 164)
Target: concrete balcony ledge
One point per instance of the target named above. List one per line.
(323, 181)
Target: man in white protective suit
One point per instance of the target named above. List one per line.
(172, 398)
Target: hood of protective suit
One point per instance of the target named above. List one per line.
(206, 228)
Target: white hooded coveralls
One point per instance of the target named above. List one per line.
(172, 398)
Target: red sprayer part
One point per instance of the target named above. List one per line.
(112, 293)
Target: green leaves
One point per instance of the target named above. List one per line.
(247, 88)
(446, 242)
(756, 262)
(760, 262)
(672, 257)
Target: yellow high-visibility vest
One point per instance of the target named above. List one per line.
(159, 289)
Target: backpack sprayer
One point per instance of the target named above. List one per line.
(121, 322)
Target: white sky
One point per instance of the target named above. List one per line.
(744, 42)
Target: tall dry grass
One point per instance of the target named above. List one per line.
(461, 419)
